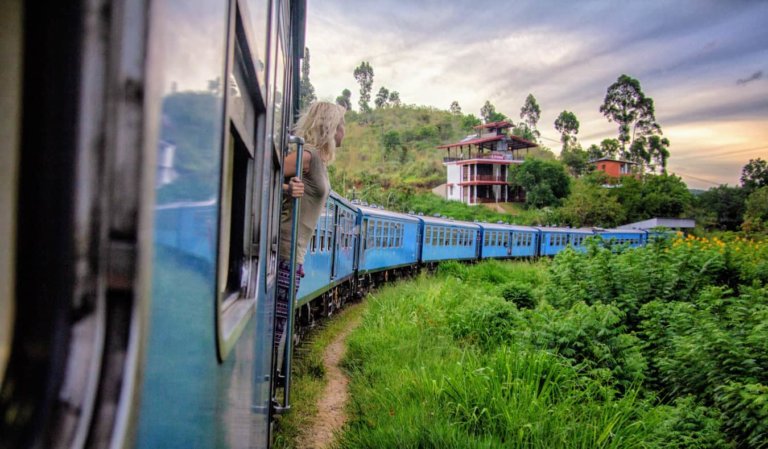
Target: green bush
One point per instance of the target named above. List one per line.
(519, 294)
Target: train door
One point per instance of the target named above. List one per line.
(364, 241)
(76, 174)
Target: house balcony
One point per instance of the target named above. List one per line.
(497, 157)
(495, 179)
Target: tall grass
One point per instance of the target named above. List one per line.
(447, 362)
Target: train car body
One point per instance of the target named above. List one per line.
(554, 240)
(630, 237)
(388, 240)
(444, 239)
(501, 241)
(330, 258)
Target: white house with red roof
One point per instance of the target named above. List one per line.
(478, 165)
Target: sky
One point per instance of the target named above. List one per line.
(704, 63)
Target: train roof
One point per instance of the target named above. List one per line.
(448, 222)
(566, 230)
(335, 195)
(375, 211)
(506, 227)
(619, 231)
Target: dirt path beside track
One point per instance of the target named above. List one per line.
(331, 407)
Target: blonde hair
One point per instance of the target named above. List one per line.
(317, 126)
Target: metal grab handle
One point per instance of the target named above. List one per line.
(288, 331)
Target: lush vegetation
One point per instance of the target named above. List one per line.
(658, 347)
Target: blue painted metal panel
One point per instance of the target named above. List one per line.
(388, 239)
(445, 240)
(554, 240)
(345, 240)
(630, 237)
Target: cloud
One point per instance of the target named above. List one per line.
(565, 53)
(754, 77)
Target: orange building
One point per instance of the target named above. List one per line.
(613, 167)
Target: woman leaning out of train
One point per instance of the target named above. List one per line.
(322, 128)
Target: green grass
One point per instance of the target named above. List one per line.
(450, 361)
(309, 379)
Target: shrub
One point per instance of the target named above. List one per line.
(519, 294)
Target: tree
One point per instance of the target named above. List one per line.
(364, 76)
(658, 150)
(626, 104)
(594, 153)
(391, 141)
(523, 131)
(591, 205)
(530, 113)
(468, 122)
(575, 159)
(722, 207)
(489, 114)
(394, 98)
(306, 90)
(455, 108)
(382, 98)
(487, 111)
(568, 126)
(610, 148)
(545, 182)
(756, 215)
(653, 196)
(345, 99)
(754, 175)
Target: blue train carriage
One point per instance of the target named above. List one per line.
(389, 244)
(499, 241)
(170, 153)
(445, 239)
(554, 240)
(330, 263)
(620, 237)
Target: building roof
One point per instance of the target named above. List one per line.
(607, 159)
(513, 142)
(672, 223)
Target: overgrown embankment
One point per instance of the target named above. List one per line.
(660, 347)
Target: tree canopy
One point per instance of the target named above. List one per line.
(545, 182)
(345, 99)
(489, 114)
(568, 126)
(626, 104)
(754, 175)
(382, 97)
(364, 76)
(530, 113)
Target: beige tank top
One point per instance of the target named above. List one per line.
(317, 187)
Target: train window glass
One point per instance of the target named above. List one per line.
(454, 237)
(427, 235)
(370, 235)
(384, 234)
